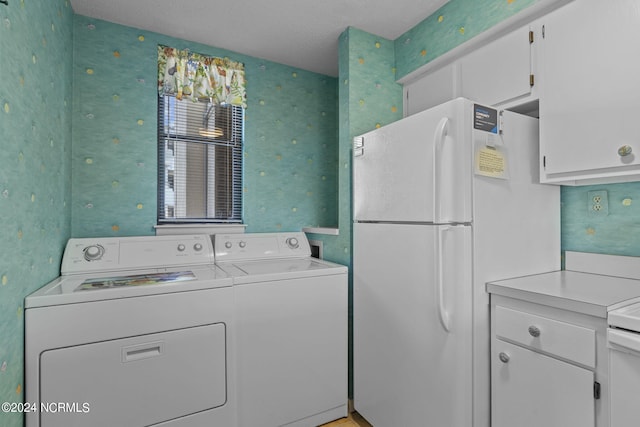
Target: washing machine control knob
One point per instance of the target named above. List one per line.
(197, 247)
(242, 244)
(228, 245)
(293, 243)
(93, 252)
(181, 247)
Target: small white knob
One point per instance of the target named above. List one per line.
(242, 244)
(293, 243)
(181, 247)
(228, 245)
(197, 247)
(504, 357)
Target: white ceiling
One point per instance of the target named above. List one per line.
(298, 33)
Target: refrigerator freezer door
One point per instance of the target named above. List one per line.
(417, 169)
(412, 332)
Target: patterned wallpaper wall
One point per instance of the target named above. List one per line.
(35, 127)
(615, 232)
(291, 155)
(290, 136)
(369, 97)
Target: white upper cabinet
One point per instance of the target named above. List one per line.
(590, 93)
(501, 71)
(432, 89)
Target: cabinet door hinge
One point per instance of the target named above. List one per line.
(358, 146)
(544, 162)
(531, 80)
(530, 37)
(596, 390)
(543, 31)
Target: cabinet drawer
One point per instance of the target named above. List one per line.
(557, 338)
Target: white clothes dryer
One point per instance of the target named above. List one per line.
(291, 330)
(135, 332)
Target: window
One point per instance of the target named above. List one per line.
(199, 161)
(201, 103)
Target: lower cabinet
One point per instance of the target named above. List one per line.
(533, 390)
(546, 366)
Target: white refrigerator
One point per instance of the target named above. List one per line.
(444, 201)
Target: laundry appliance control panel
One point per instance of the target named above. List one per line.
(232, 247)
(113, 253)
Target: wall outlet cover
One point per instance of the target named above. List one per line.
(598, 203)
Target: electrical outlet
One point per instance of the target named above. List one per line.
(598, 203)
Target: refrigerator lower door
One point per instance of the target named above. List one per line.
(412, 324)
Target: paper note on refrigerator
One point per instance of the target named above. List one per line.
(491, 162)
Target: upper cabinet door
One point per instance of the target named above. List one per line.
(431, 90)
(499, 72)
(590, 93)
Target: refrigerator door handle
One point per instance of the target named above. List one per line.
(443, 314)
(439, 136)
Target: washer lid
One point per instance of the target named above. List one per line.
(280, 266)
(626, 317)
(76, 288)
(277, 269)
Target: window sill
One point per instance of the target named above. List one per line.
(172, 229)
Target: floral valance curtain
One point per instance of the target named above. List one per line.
(190, 75)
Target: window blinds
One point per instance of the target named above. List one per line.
(199, 161)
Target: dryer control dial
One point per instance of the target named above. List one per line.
(93, 252)
(293, 243)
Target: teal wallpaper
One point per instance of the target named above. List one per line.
(616, 232)
(290, 150)
(35, 127)
(451, 25)
(291, 154)
(368, 97)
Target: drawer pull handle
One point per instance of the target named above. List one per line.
(534, 331)
(504, 357)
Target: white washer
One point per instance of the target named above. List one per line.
(136, 332)
(291, 330)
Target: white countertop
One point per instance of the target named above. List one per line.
(587, 293)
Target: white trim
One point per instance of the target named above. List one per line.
(322, 230)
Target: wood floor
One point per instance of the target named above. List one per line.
(354, 420)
